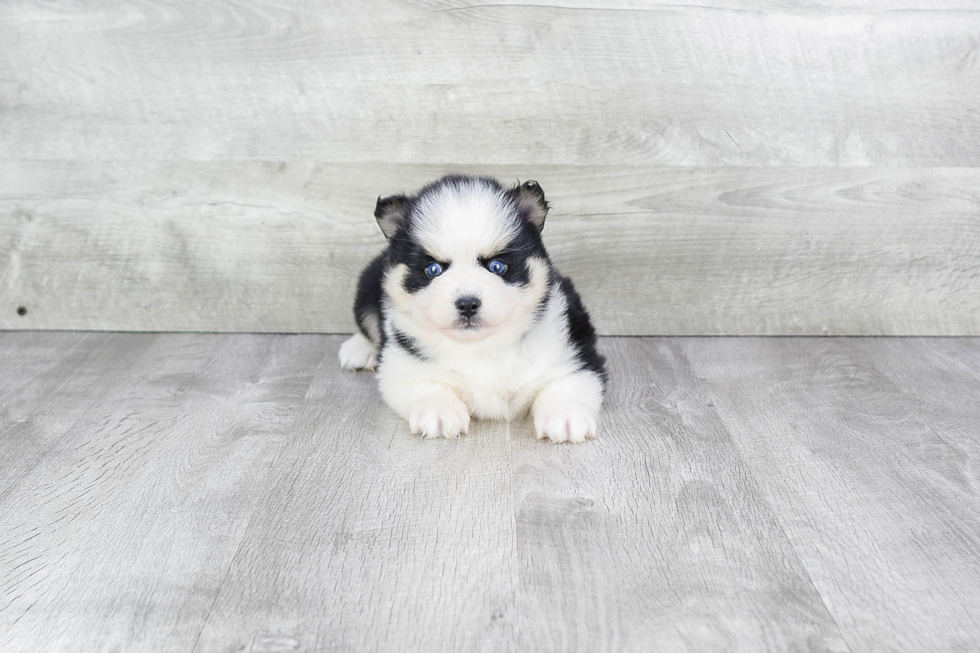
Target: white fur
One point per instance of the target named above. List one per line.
(358, 353)
(437, 413)
(518, 359)
(565, 410)
(429, 315)
(463, 223)
(372, 327)
(497, 378)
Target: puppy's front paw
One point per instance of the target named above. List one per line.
(439, 418)
(564, 422)
(358, 353)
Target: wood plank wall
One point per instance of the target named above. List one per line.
(731, 167)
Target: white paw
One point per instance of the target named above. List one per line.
(358, 353)
(564, 422)
(439, 418)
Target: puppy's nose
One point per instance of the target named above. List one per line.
(467, 306)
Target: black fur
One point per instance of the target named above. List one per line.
(390, 213)
(527, 244)
(395, 213)
(409, 345)
(367, 302)
(403, 249)
(581, 332)
(529, 209)
(531, 203)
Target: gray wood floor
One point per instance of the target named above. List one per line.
(240, 493)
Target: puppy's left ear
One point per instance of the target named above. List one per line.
(530, 200)
(390, 213)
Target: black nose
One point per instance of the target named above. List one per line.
(467, 306)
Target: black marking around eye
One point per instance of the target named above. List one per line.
(515, 256)
(404, 250)
(417, 278)
(518, 273)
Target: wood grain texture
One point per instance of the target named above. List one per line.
(657, 537)
(276, 247)
(874, 491)
(942, 394)
(370, 540)
(720, 168)
(497, 542)
(121, 533)
(69, 375)
(240, 492)
(743, 84)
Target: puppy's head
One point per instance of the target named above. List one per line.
(465, 256)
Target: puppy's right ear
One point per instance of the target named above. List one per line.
(390, 213)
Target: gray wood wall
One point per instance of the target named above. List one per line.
(734, 167)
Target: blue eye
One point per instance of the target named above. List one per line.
(497, 266)
(433, 269)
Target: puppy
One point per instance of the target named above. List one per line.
(463, 314)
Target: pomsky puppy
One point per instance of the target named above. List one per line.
(463, 314)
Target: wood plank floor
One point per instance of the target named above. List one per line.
(193, 492)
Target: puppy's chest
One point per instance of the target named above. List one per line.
(497, 387)
(501, 385)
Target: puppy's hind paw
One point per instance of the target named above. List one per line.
(358, 353)
(439, 418)
(564, 424)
